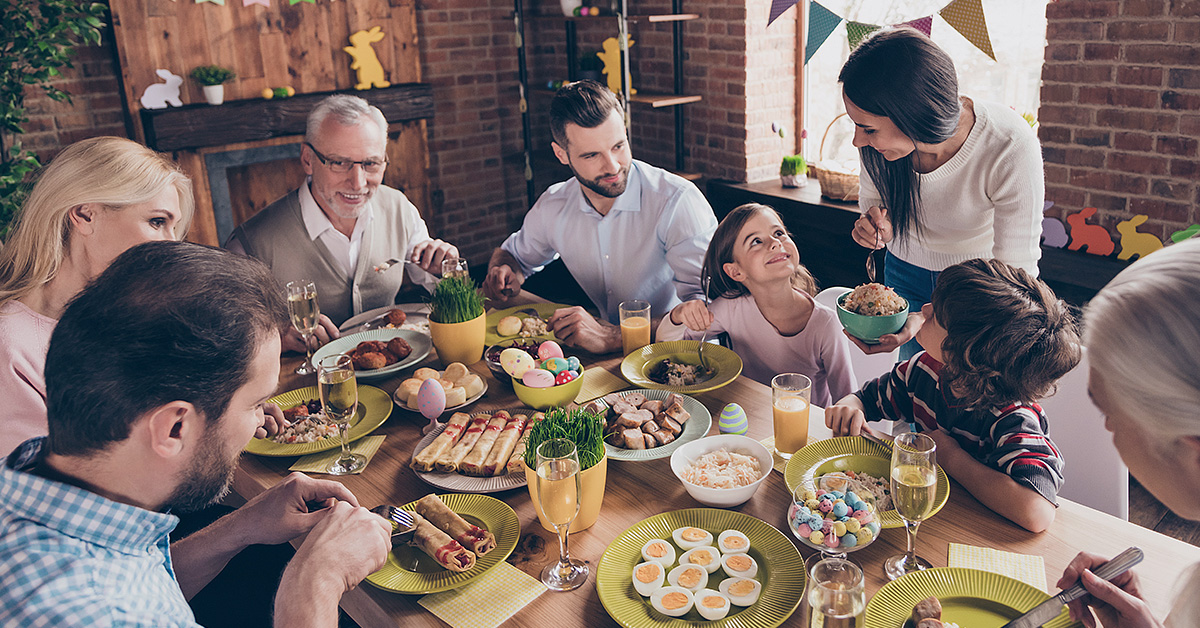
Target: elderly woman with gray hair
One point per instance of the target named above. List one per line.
(1143, 337)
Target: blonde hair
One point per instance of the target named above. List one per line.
(1143, 336)
(109, 171)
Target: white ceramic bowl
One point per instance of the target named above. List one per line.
(721, 497)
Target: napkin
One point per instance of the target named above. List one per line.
(1028, 569)
(598, 382)
(319, 462)
(780, 464)
(488, 601)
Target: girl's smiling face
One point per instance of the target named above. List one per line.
(763, 251)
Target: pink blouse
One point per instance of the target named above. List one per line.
(24, 341)
(820, 350)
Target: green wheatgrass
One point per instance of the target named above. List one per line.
(455, 300)
(792, 165)
(585, 429)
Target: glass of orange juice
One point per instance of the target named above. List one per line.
(635, 325)
(790, 394)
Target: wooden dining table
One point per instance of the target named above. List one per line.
(636, 490)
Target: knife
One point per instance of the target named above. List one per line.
(1050, 609)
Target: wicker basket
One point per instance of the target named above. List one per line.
(836, 185)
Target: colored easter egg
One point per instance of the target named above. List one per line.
(555, 365)
(564, 377)
(549, 349)
(516, 362)
(431, 398)
(573, 364)
(538, 378)
(733, 420)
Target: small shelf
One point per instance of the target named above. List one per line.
(655, 100)
(653, 19)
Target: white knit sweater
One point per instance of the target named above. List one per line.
(985, 202)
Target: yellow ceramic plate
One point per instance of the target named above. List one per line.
(544, 310)
(969, 597)
(409, 570)
(854, 453)
(781, 571)
(374, 407)
(728, 365)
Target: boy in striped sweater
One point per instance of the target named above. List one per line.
(996, 339)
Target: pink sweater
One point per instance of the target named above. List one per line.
(24, 341)
(819, 351)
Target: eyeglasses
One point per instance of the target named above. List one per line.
(369, 166)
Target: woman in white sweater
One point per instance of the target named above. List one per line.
(947, 178)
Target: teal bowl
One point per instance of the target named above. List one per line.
(869, 328)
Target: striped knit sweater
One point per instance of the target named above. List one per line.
(1011, 439)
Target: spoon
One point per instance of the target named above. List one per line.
(871, 258)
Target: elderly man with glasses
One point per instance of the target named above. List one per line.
(343, 222)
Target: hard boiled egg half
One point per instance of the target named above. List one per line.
(711, 604)
(707, 557)
(739, 565)
(733, 542)
(741, 591)
(690, 577)
(659, 551)
(688, 538)
(648, 577)
(672, 601)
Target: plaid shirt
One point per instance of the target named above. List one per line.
(73, 558)
(1011, 439)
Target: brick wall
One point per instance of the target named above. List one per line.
(1120, 112)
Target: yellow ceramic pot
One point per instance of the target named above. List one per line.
(459, 342)
(591, 486)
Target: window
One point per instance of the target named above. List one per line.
(1018, 32)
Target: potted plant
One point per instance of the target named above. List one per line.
(211, 78)
(793, 171)
(456, 321)
(586, 430)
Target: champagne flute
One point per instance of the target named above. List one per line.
(914, 490)
(558, 500)
(339, 398)
(305, 312)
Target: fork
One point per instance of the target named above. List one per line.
(700, 348)
(388, 264)
(403, 524)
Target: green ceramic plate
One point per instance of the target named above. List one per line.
(374, 407)
(969, 597)
(409, 570)
(420, 343)
(781, 571)
(727, 364)
(854, 453)
(544, 310)
(696, 427)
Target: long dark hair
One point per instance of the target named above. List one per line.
(899, 73)
(720, 252)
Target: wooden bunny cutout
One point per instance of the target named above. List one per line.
(370, 73)
(158, 95)
(1134, 242)
(1085, 236)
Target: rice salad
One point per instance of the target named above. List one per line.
(874, 299)
(307, 429)
(879, 487)
(722, 469)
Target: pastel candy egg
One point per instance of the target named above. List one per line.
(831, 540)
(849, 541)
(733, 420)
(840, 509)
(873, 527)
(850, 497)
(864, 536)
(825, 506)
(804, 530)
(809, 495)
(792, 510)
(812, 504)
(863, 516)
(431, 398)
(816, 537)
(839, 528)
(826, 526)
(555, 365)
(516, 361)
(573, 363)
(820, 492)
(549, 349)
(538, 378)
(853, 525)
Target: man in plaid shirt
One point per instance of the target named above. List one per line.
(154, 381)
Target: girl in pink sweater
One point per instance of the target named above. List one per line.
(762, 297)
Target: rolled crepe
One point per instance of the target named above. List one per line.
(424, 461)
(473, 463)
(472, 537)
(497, 458)
(449, 461)
(516, 462)
(445, 550)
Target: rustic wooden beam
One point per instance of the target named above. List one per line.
(197, 126)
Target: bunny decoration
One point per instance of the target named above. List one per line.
(370, 72)
(159, 95)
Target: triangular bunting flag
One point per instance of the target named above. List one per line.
(924, 24)
(778, 7)
(265, 3)
(858, 31)
(821, 22)
(966, 16)
(291, 2)
(220, 2)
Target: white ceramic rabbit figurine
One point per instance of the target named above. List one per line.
(159, 95)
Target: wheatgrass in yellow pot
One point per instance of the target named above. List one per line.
(586, 430)
(456, 321)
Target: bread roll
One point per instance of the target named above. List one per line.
(473, 383)
(409, 387)
(456, 396)
(455, 372)
(508, 326)
(425, 373)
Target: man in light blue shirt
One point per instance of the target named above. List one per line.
(155, 378)
(625, 229)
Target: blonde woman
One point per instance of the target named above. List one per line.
(1143, 339)
(96, 199)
